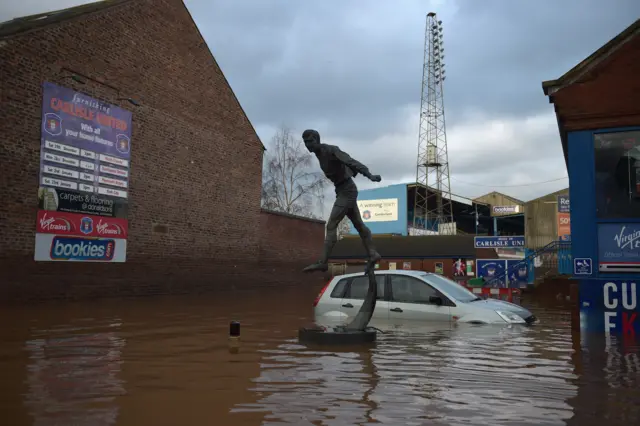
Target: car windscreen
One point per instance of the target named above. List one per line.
(450, 287)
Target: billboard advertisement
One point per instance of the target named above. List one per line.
(564, 218)
(383, 210)
(619, 247)
(83, 193)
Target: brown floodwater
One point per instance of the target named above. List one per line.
(166, 361)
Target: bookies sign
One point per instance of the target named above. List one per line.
(495, 242)
(505, 209)
(609, 306)
(619, 247)
(85, 154)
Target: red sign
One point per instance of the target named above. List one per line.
(61, 223)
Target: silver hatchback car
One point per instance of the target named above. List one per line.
(413, 296)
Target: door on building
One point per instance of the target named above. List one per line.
(355, 293)
(409, 300)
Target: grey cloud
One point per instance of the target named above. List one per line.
(354, 72)
(354, 69)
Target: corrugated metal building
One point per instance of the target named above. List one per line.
(499, 199)
(541, 220)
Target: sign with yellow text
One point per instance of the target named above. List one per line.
(564, 218)
(384, 210)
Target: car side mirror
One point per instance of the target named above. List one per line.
(436, 300)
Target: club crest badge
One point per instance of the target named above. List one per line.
(52, 124)
(86, 225)
(123, 145)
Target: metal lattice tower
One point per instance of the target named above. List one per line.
(432, 208)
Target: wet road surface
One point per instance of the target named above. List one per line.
(166, 361)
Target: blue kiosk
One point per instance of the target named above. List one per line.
(597, 105)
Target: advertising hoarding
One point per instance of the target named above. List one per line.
(383, 210)
(619, 247)
(564, 218)
(83, 192)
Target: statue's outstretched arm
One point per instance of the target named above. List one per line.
(353, 164)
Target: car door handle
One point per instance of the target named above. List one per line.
(396, 310)
(347, 305)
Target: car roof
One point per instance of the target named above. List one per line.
(385, 272)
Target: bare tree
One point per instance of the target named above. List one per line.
(289, 183)
(344, 227)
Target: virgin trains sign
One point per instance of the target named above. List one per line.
(52, 222)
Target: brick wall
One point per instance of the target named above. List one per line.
(288, 244)
(196, 159)
(286, 238)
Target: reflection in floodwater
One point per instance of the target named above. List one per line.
(423, 375)
(609, 368)
(73, 378)
(176, 369)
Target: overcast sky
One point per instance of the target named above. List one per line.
(354, 73)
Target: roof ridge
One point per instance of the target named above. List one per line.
(593, 60)
(37, 21)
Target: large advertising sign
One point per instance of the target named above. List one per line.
(564, 218)
(383, 210)
(83, 194)
(619, 247)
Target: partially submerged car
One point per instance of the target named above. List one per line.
(413, 296)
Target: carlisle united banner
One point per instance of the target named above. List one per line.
(83, 194)
(497, 242)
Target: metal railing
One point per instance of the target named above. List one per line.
(551, 260)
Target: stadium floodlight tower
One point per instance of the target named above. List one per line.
(433, 210)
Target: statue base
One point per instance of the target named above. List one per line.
(335, 336)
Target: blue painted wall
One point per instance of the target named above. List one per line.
(608, 300)
(392, 191)
(582, 190)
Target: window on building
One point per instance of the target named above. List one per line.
(360, 286)
(617, 174)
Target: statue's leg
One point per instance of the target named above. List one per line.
(338, 212)
(365, 234)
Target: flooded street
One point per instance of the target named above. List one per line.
(166, 361)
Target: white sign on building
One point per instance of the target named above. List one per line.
(383, 210)
(506, 209)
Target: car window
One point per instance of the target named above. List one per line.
(451, 288)
(338, 290)
(360, 285)
(410, 290)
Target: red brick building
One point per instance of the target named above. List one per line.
(195, 221)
